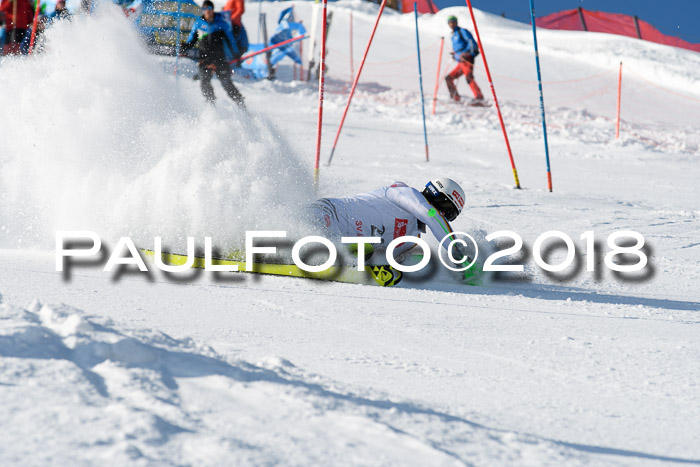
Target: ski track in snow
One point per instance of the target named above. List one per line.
(535, 369)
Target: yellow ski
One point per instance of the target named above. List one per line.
(383, 275)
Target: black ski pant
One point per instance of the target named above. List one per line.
(223, 72)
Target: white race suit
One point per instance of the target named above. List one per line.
(388, 212)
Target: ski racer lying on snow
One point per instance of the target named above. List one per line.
(391, 212)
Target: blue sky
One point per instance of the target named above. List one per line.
(680, 18)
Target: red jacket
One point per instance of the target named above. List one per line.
(25, 14)
(237, 8)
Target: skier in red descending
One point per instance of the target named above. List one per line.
(465, 50)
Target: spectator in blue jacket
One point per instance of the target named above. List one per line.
(464, 51)
(212, 35)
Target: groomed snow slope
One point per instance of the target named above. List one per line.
(538, 370)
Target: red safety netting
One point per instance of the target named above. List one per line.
(424, 6)
(613, 23)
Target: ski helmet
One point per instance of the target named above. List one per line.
(446, 196)
(452, 18)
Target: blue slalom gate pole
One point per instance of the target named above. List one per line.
(420, 79)
(539, 81)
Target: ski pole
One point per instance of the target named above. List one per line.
(420, 80)
(539, 81)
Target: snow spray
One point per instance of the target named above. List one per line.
(97, 136)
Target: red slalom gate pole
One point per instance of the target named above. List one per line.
(321, 85)
(493, 91)
(357, 78)
(619, 98)
(34, 24)
(437, 78)
(268, 48)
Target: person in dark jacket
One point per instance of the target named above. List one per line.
(465, 50)
(211, 34)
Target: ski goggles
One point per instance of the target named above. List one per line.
(205, 8)
(441, 202)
